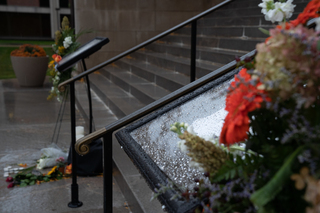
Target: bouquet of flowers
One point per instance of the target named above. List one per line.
(65, 43)
(273, 108)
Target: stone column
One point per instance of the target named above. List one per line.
(54, 16)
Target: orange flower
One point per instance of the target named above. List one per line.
(57, 58)
(54, 56)
(309, 12)
(29, 50)
(69, 169)
(22, 164)
(241, 100)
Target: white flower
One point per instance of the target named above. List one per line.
(182, 146)
(275, 14)
(318, 24)
(276, 11)
(67, 42)
(265, 5)
(190, 130)
(287, 8)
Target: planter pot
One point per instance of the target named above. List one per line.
(61, 169)
(30, 71)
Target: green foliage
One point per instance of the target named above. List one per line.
(274, 186)
(237, 167)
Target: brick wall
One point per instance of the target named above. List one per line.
(129, 22)
(31, 3)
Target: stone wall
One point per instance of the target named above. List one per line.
(129, 22)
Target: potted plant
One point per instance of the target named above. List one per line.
(30, 63)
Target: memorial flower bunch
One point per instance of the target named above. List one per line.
(29, 50)
(273, 109)
(65, 43)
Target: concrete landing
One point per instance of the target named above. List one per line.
(27, 122)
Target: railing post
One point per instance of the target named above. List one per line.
(74, 186)
(193, 50)
(107, 173)
(89, 97)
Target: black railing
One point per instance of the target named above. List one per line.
(106, 132)
(192, 21)
(82, 145)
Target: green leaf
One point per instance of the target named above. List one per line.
(274, 186)
(264, 31)
(23, 184)
(32, 183)
(318, 45)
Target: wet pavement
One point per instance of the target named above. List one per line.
(27, 122)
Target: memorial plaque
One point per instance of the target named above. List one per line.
(153, 147)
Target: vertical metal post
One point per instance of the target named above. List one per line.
(193, 50)
(74, 186)
(107, 172)
(89, 97)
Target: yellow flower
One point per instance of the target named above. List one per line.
(61, 50)
(52, 170)
(51, 64)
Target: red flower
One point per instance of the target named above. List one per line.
(10, 185)
(309, 12)
(241, 100)
(9, 179)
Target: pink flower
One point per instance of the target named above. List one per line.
(9, 179)
(10, 185)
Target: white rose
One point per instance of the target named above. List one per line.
(67, 42)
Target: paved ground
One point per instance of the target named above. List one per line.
(27, 123)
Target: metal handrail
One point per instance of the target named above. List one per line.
(139, 46)
(82, 147)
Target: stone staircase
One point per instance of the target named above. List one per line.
(163, 66)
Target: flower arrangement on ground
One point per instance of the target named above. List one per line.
(273, 108)
(29, 50)
(65, 43)
(29, 177)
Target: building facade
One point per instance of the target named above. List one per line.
(32, 19)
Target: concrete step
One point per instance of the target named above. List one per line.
(120, 102)
(236, 44)
(174, 63)
(144, 91)
(158, 75)
(227, 31)
(212, 54)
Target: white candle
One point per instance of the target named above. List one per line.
(79, 130)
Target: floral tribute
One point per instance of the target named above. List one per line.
(65, 43)
(29, 50)
(273, 108)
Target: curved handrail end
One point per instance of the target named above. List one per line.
(81, 145)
